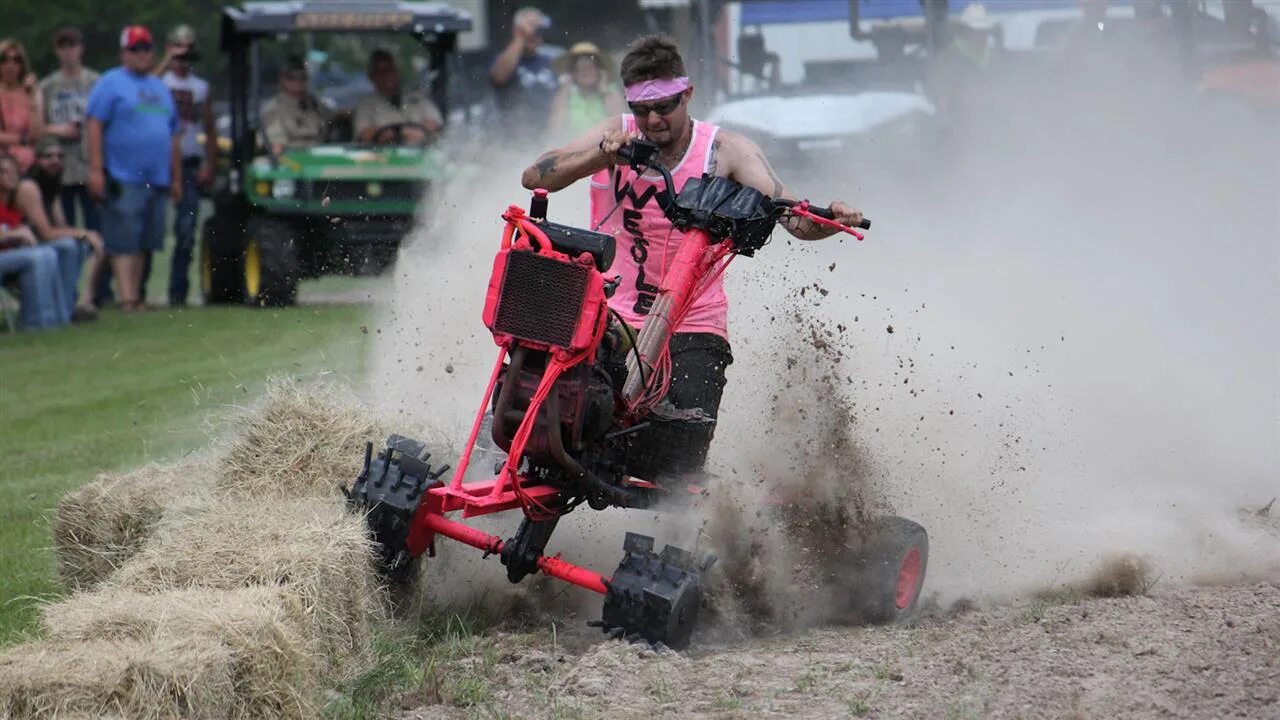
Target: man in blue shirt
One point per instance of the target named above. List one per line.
(134, 155)
(523, 78)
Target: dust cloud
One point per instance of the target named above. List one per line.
(1057, 346)
(1061, 340)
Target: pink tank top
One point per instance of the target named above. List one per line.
(647, 242)
(15, 117)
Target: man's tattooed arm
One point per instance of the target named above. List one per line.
(558, 169)
(546, 164)
(713, 156)
(778, 190)
(742, 160)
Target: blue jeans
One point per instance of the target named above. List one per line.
(90, 217)
(71, 255)
(184, 234)
(37, 268)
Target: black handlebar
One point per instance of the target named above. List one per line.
(638, 153)
(641, 155)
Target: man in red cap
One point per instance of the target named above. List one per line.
(134, 160)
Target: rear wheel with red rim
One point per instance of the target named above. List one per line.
(890, 570)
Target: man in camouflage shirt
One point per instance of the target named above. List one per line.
(294, 117)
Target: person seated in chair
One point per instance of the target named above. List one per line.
(33, 266)
(37, 198)
(294, 117)
(391, 116)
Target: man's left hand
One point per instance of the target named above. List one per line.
(204, 176)
(846, 215)
(175, 192)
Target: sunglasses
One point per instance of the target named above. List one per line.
(50, 156)
(140, 48)
(67, 43)
(295, 76)
(662, 107)
(11, 58)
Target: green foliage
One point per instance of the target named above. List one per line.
(442, 659)
(101, 22)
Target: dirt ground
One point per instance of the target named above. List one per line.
(1203, 652)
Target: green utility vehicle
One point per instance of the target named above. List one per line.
(336, 208)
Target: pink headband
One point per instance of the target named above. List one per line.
(656, 89)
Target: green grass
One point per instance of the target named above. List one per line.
(443, 659)
(129, 389)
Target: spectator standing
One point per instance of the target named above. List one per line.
(39, 200)
(21, 107)
(522, 76)
(294, 117)
(586, 95)
(195, 116)
(35, 265)
(416, 115)
(134, 156)
(66, 95)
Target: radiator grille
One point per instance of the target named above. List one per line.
(541, 299)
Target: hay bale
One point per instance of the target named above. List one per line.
(99, 526)
(301, 442)
(113, 679)
(312, 547)
(272, 662)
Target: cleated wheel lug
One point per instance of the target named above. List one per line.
(655, 597)
(388, 492)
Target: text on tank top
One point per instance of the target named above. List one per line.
(647, 242)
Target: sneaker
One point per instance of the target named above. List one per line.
(84, 314)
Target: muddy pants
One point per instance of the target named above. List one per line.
(698, 363)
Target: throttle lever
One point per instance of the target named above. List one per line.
(802, 209)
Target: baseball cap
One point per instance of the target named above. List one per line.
(68, 36)
(182, 34)
(135, 35)
(294, 64)
(544, 22)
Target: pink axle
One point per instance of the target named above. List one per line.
(492, 545)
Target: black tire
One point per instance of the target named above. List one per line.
(271, 265)
(890, 566)
(221, 265)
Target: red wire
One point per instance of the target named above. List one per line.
(659, 381)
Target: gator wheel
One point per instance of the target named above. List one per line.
(655, 597)
(221, 275)
(388, 492)
(271, 265)
(890, 569)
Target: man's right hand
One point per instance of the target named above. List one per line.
(524, 31)
(613, 140)
(97, 185)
